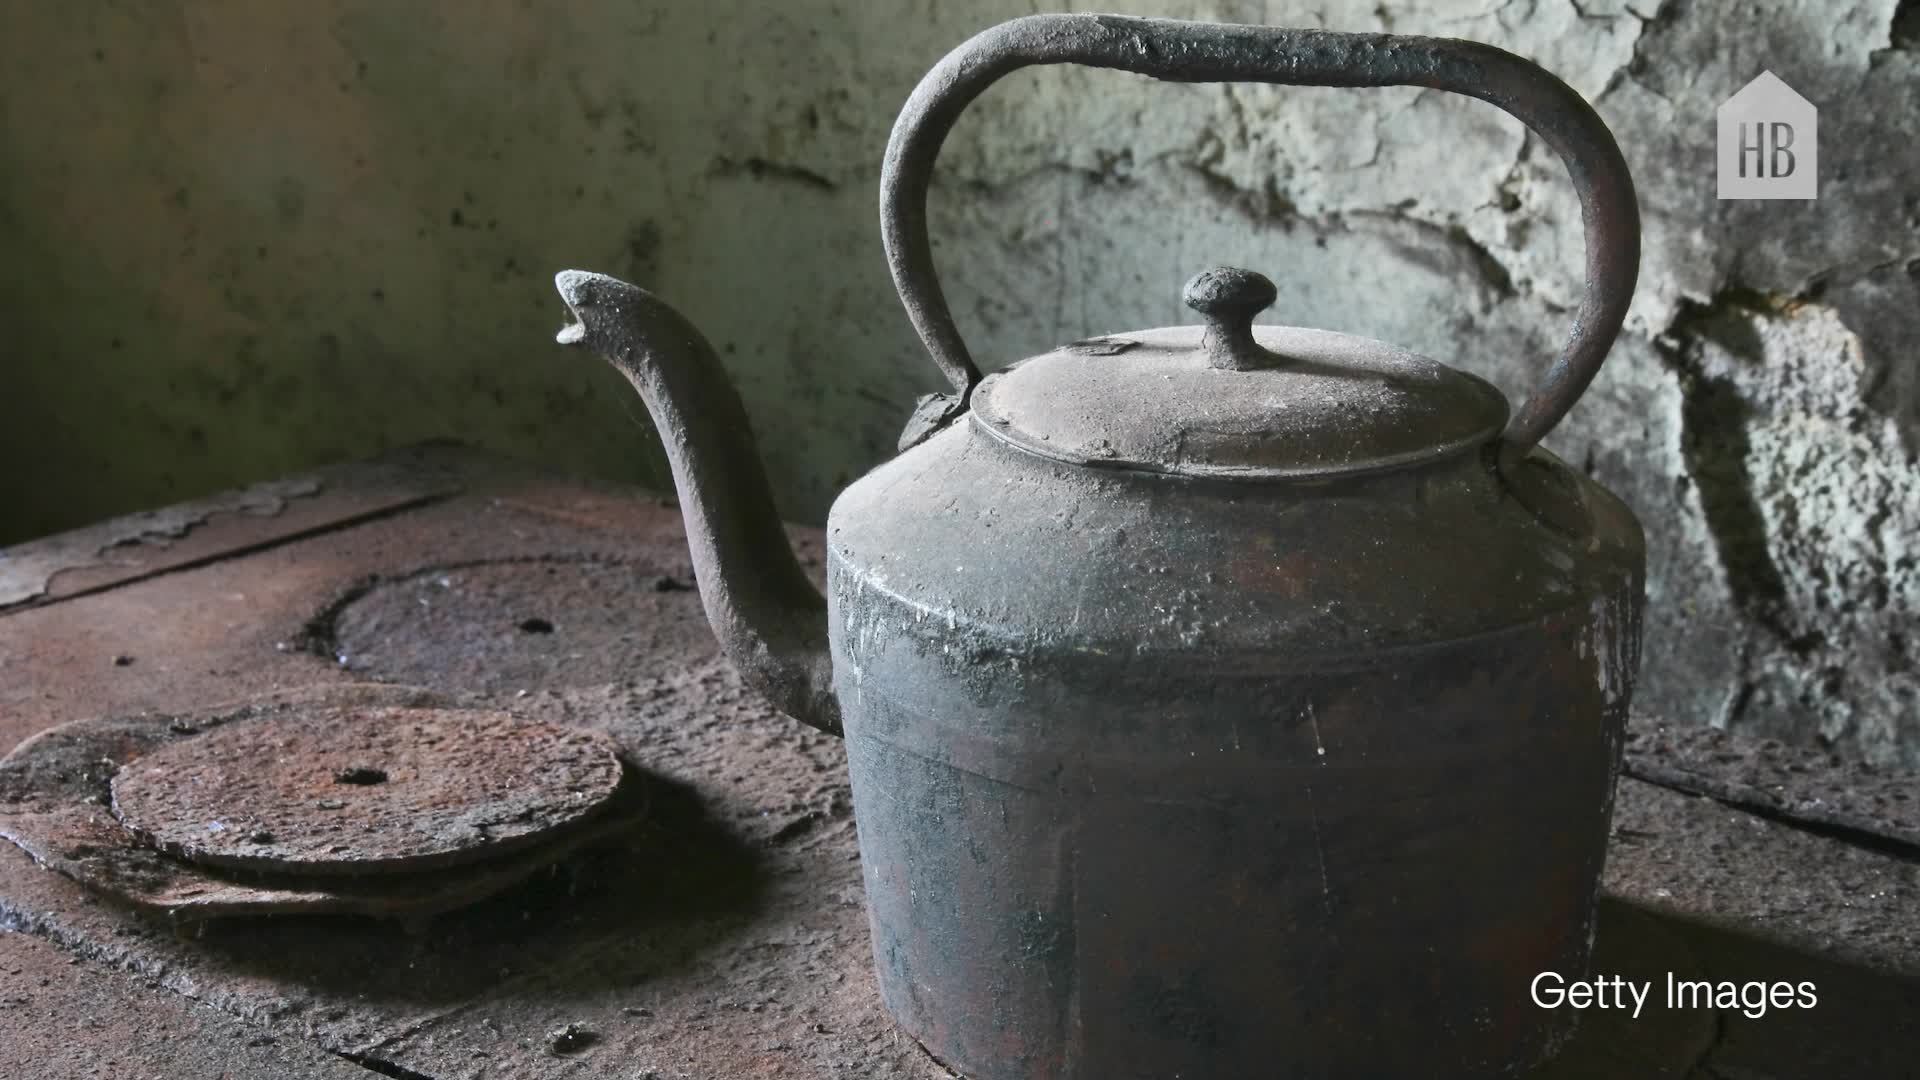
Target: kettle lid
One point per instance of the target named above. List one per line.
(1232, 400)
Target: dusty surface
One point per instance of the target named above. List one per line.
(29, 569)
(247, 637)
(1755, 900)
(70, 1019)
(1813, 787)
(519, 624)
(256, 240)
(725, 938)
(356, 789)
(139, 545)
(55, 800)
(1697, 859)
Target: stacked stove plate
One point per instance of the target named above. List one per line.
(372, 800)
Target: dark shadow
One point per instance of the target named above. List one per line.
(1861, 1026)
(1715, 445)
(618, 914)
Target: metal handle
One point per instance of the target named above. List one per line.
(1211, 52)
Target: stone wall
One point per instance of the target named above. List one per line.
(240, 239)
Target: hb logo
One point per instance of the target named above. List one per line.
(1768, 142)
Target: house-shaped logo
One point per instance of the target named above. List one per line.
(1769, 142)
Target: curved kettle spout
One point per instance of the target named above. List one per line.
(769, 618)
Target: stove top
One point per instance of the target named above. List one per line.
(696, 913)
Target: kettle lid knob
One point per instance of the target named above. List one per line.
(1228, 298)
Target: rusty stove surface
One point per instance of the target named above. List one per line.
(302, 803)
(333, 789)
(718, 931)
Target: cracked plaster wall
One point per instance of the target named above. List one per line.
(242, 239)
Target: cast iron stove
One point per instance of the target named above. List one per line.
(694, 913)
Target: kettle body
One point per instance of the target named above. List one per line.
(1160, 779)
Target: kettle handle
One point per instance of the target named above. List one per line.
(1213, 52)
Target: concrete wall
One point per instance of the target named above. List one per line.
(240, 239)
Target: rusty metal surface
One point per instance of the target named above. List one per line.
(752, 961)
(191, 533)
(201, 634)
(356, 789)
(54, 795)
(28, 570)
(523, 624)
(65, 1019)
(1204, 52)
(1803, 783)
(725, 936)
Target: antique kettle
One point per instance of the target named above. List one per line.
(1220, 700)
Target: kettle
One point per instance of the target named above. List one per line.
(1223, 700)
